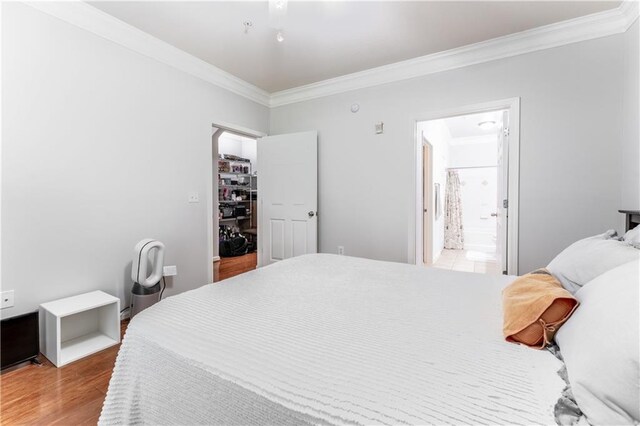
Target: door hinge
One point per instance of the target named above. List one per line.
(505, 204)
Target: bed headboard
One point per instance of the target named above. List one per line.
(632, 218)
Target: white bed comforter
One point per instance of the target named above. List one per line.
(331, 340)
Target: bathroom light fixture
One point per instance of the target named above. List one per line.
(280, 36)
(487, 125)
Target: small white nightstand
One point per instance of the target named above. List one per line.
(77, 326)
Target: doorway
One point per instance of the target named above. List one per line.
(237, 193)
(282, 212)
(233, 218)
(467, 206)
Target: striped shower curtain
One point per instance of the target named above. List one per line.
(453, 231)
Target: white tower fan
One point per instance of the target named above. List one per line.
(146, 273)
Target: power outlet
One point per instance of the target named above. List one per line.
(170, 271)
(341, 250)
(6, 299)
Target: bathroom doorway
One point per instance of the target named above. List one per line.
(465, 177)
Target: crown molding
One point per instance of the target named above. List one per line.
(584, 28)
(602, 24)
(108, 27)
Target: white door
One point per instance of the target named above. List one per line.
(287, 196)
(502, 199)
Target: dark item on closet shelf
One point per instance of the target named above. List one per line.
(240, 211)
(227, 211)
(232, 157)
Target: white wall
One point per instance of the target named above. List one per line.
(437, 133)
(101, 147)
(630, 157)
(474, 152)
(227, 144)
(479, 194)
(250, 152)
(571, 148)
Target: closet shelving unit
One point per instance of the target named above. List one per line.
(246, 191)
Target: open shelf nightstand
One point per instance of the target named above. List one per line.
(77, 326)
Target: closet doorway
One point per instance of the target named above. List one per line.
(466, 215)
(234, 206)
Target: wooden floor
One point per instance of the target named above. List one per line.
(231, 266)
(73, 394)
(46, 395)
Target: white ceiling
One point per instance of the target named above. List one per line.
(466, 126)
(326, 39)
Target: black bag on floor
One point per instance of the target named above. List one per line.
(235, 246)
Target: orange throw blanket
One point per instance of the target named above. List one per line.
(535, 305)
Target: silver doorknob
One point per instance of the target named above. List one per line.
(494, 214)
(311, 214)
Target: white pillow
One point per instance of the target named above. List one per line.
(584, 260)
(600, 346)
(632, 236)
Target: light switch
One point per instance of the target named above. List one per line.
(194, 197)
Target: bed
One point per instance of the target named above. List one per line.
(325, 339)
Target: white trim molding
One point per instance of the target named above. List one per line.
(102, 24)
(239, 130)
(602, 24)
